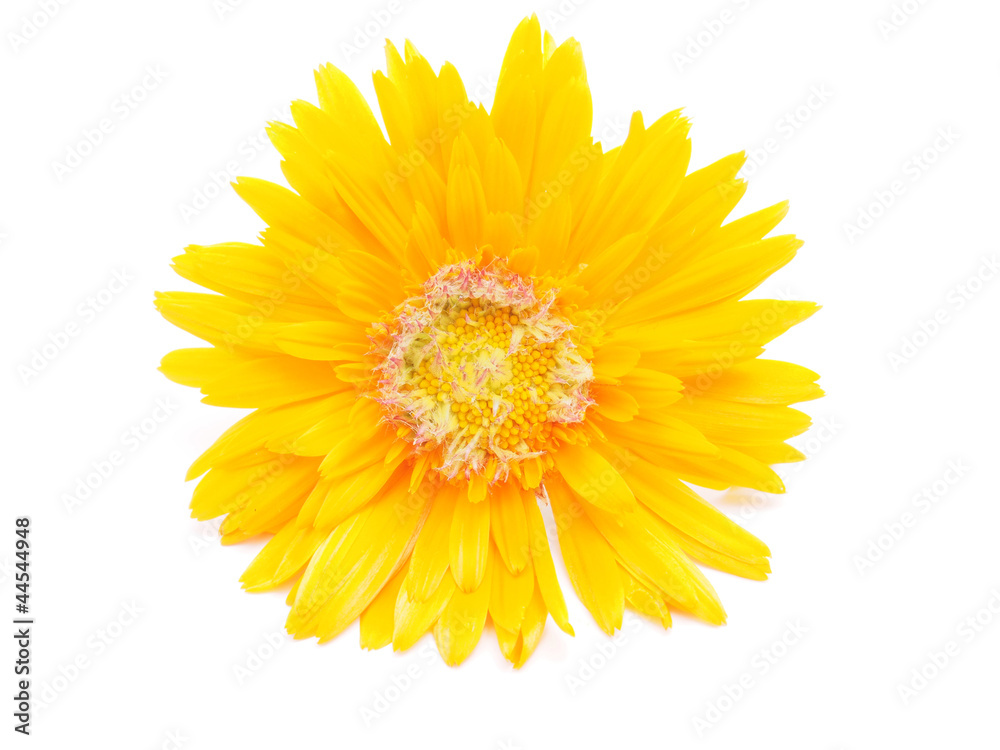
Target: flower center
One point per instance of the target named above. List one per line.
(481, 367)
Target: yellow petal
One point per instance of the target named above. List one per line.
(762, 381)
(615, 361)
(509, 595)
(469, 542)
(644, 600)
(545, 571)
(614, 403)
(466, 201)
(509, 527)
(638, 187)
(502, 180)
(516, 100)
(351, 567)
(517, 647)
(271, 381)
(645, 548)
(593, 477)
(430, 559)
(377, 619)
(589, 559)
(726, 275)
(460, 626)
(322, 340)
(414, 617)
(285, 555)
(350, 493)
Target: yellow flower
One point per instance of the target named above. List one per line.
(482, 318)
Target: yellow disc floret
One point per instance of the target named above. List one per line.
(481, 368)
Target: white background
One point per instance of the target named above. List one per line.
(885, 433)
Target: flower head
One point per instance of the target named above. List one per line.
(484, 315)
